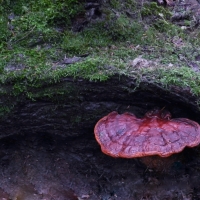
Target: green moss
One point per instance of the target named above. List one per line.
(102, 34)
(183, 77)
(84, 42)
(27, 23)
(5, 33)
(33, 47)
(162, 25)
(115, 4)
(154, 9)
(123, 28)
(187, 23)
(4, 110)
(160, 16)
(24, 81)
(55, 11)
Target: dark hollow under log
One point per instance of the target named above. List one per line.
(83, 103)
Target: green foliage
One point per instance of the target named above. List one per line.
(52, 11)
(39, 73)
(4, 110)
(162, 25)
(102, 34)
(122, 28)
(91, 69)
(183, 77)
(4, 31)
(30, 22)
(83, 42)
(159, 17)
(115, 3)
(122, 5)
(154, 9)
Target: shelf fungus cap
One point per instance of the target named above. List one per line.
(126, 136)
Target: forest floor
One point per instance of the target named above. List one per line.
(49, 167)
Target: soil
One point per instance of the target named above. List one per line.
(51, 167)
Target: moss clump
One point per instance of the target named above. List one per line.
(122, 5)
(154, 9)
(30, 22)
(102, 34)
(163, 26)
(85, 41)
(4, 110)
(122, 28)
(166, 77)
(160, 16)
(53, 12)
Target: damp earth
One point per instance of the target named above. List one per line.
(47, 166)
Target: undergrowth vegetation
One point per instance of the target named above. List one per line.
(25, 22)
(36, 37)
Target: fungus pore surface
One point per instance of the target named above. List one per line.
(126, 136)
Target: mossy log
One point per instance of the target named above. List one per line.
(73, 106)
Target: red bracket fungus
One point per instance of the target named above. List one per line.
(126, 136)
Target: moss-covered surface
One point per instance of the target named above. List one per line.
(37, 40)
